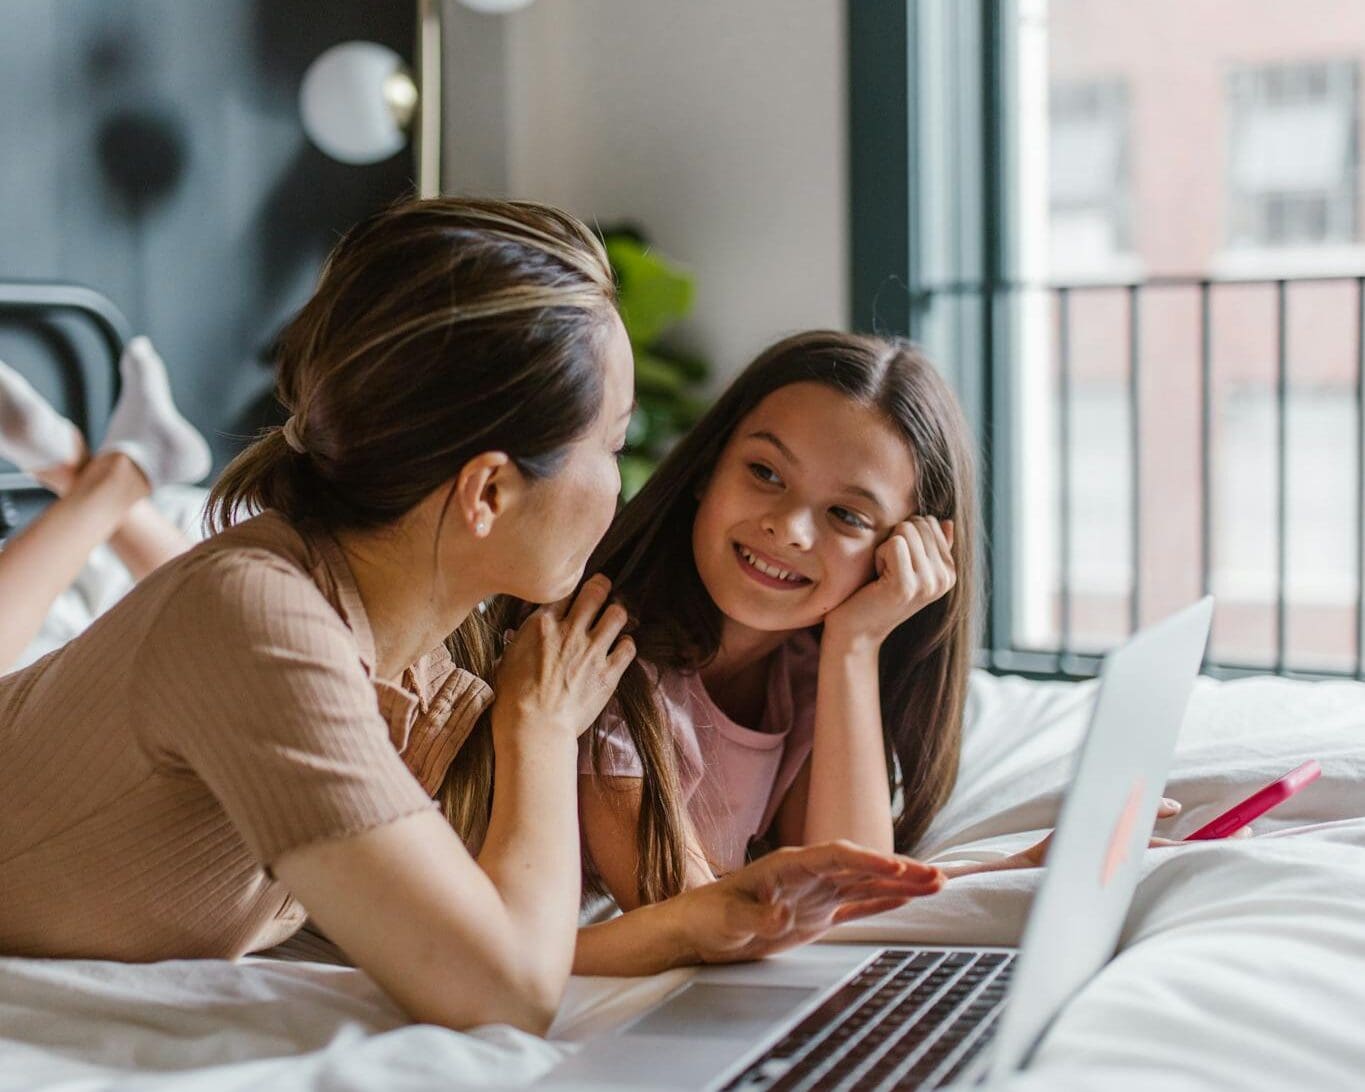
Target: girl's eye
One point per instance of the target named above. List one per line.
(764, 473)
(843, 515)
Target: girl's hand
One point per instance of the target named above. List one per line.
(792, 896)
(563, 664)
(1036, 855)
(914, 567)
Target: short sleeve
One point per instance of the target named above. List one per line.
(617, 756)
(250, 681)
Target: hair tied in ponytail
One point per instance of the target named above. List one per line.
(290, 432)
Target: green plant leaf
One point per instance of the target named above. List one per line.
(657, 375)
(653, 293)
(635, 471)
(693, 368)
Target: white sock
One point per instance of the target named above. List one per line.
(148, 428)
(33, 435)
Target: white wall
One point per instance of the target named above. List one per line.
(717, 125)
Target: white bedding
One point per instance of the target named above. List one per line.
(1242, 962)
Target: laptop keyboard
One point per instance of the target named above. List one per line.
(907, 1019)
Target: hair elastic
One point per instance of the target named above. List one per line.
(291, 436)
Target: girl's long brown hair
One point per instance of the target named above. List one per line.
(924, 663)
(439, 329)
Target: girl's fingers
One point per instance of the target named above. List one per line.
(946, 526)
(1037, 853)
(893, 559)
(935, 569)
(1167, 808)
(943, 574)
(942, 541)
(919, 555)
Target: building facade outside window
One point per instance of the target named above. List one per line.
(1089, 180)
(1292, 178)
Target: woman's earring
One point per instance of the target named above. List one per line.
(480, 527)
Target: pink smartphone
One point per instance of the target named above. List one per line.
(1259, 802)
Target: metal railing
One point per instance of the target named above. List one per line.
(1002, 651)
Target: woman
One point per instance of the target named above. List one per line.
(260, 724)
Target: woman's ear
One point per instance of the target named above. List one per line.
(485, 489)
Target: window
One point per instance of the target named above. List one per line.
(1292, 154)
(1088, 175)
(1322, 477)
(1126, 238)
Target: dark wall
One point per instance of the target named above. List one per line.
(152, 149)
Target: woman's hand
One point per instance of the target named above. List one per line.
(792, 896)
(563, 664)
(914, 567)
(1036, 855)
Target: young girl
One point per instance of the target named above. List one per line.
(799, 569)
(801, 572)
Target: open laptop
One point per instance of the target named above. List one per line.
(835, 1016)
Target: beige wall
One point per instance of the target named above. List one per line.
(718, 126)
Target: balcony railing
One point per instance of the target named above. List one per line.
(1034, 327)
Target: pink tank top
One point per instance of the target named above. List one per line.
(733, 777)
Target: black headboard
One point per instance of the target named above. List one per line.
(153, 149)
(67, 337)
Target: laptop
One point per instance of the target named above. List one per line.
(836, 1016)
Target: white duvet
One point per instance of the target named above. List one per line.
(1242, 964)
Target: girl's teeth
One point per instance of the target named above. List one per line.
(766, 569)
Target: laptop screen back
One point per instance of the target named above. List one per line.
(1096, 855)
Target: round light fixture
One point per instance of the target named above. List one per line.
(357, 101)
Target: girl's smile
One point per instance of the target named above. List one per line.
(767, 570)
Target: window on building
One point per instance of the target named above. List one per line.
(1292, 154)
(1089, 196)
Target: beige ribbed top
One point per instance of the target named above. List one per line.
(223, 713)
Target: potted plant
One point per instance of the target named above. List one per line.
(655, 294)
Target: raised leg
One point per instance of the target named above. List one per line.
(43, 559)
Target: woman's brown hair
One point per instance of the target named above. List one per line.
(439, 329)
(924, 662)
